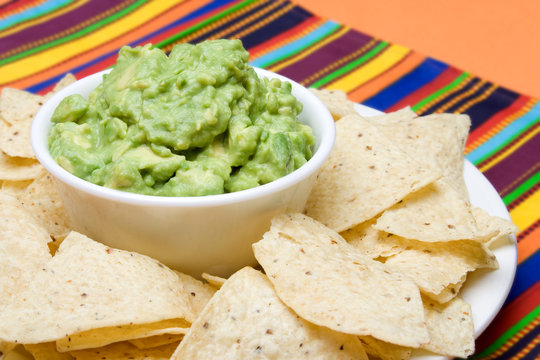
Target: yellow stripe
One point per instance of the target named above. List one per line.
(445, 95)
(476, 100)
(372, 69)
(509, 151)
(526, 213)
(310, 50)
(460, 97)
(51, 57)
(42, 19)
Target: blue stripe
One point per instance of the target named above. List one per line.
(527, 275)
(423, 74)
(32, 12)
(312, 37)
(209, 7)
(508, 133)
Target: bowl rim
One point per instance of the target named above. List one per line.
(42, 124)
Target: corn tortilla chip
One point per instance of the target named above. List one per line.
(17, 105)
(330, 283)
(23, 249)
(213, 280)
(372, 242)
(246, 320)
(43, 201)
(199, 292)
(395, 117)
(156, 340)
(384, 350)
(46, 351)
(87, 285)
(364, 175)
(451, 328)
(448, 293)
(125, 350)
(492, 227)
(434, 266)
(104, 336)
(15, 138)
(336, 101)
(433, 214)
(17, 168)
(14, 187)
(436, 141)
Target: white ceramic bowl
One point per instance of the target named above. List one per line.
(194, 234)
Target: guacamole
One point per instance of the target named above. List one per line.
(196, 122)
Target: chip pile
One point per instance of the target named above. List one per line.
(372, 269)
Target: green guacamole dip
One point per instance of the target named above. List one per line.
(196, 122)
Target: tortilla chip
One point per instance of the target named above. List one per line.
(104, 336)
(199, 292)
(23, 249)
(213, 280)
(17, 168)
(492, 227)
(68, 79)
(330, 283)
(156, 340)
(336, 101)
(364, 175)
(46, 351)
(451, 328)
(17, 105)
(6, 348)
(396, 117)
(15, 139)
(124, 350)
(436, 141)
(384, 350)
(448, 293)
(43, 201)
(434, 266)
(246, 319)
(15, 188)
(87, 285)
(433, 214)
(372, 242)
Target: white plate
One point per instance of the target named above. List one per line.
(485, 290)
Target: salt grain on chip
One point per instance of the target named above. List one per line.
(364, 175)
(328, 282)
(246, 320)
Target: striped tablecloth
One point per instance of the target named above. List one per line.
(41, 40)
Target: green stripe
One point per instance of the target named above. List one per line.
(36, 15)
(441, 91)
(350, 65)
(302, 47)
(509, 333)
(522, 189)
(203, 23)
(75, 35)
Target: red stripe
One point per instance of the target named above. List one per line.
(509, 316)
(283, 36)
(445, 78)
(18, 6)
(516, 106)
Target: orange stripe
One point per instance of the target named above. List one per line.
(143, 30)
(528, 245)
(388, 77)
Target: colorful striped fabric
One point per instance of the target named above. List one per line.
(41, 40)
